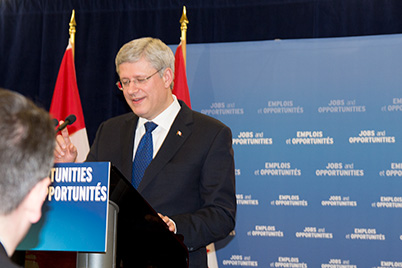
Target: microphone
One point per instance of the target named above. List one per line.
(69, 120)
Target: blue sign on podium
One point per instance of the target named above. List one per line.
(75, 211)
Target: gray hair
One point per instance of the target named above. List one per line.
(152, 49)
(27, 141)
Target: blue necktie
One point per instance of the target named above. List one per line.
(143, 156)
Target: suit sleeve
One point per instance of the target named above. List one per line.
(92, 155)
(216, 218)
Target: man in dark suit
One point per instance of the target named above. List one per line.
(190, 180)
(27, 140)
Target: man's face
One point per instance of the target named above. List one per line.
(148, 98)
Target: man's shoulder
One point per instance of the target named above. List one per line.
(199, 118)
(5, 261)
(207, 120)
(119, 119)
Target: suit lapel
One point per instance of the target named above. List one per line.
(178, 134)
(127, 140)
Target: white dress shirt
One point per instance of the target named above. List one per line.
(164, 122)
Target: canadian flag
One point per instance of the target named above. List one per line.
(180, 86)
(211, 255)
(66, 101)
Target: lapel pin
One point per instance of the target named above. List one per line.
(178, 133)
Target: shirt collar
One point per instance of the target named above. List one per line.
(166, 118)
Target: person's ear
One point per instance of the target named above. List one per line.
(168, 77)
(34, 200)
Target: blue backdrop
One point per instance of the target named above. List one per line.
(317, 138)
(316, 123)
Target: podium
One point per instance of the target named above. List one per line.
(107, 259)
(136, 236)
(143, 239)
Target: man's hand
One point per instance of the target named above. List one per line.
(64, 151)
(171, 225)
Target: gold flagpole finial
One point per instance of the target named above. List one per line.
(72, 30)
(184, 21)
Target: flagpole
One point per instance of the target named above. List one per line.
(184, 21)
(72, 31)
(180, 86)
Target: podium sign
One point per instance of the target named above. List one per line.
(75, 211)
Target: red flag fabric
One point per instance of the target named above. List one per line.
(180, 86)
(66, 100)
(211, 256)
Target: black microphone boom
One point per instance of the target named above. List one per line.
(69, 120)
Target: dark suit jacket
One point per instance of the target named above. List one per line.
(191, 179)
(5, 261)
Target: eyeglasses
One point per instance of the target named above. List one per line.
(125, 83)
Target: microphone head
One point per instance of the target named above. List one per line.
(71, 119)
(68, 121)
